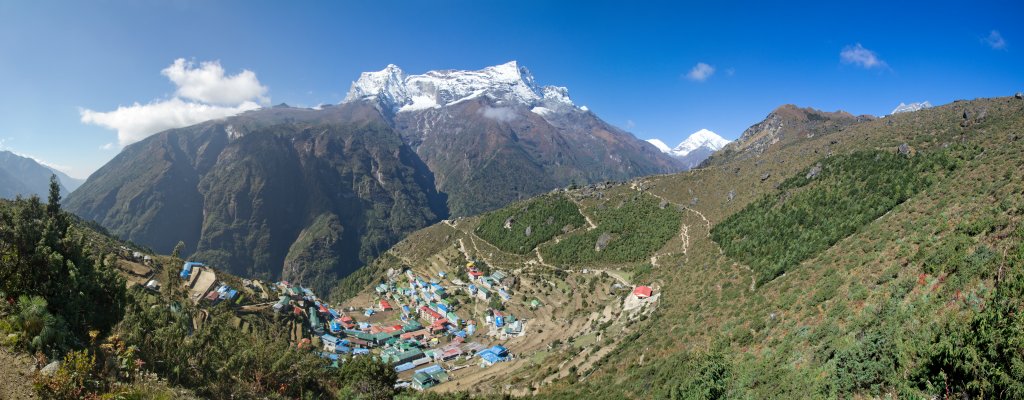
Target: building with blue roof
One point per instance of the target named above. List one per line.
(186, 270)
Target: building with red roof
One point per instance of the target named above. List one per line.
(642, 292)
(429, 314)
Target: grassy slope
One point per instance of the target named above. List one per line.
(783, 335)
(788, 336)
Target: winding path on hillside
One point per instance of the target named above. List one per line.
(590, 224)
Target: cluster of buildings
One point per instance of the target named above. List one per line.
(412, 322)
(201, 280)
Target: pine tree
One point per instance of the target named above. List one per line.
(53, 202)
(178, 248)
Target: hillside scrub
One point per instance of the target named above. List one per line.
(519, 228)
(808, 214)
(61, 303)
(54, 292)
(630, 232)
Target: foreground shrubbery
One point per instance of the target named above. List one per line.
(221, 361)
(59, 292)
(60, 304)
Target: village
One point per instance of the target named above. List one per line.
(433, 327)
(413, 322)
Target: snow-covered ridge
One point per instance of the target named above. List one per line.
(507, 82)
(702, 138)
(660, 145)
(903, 107)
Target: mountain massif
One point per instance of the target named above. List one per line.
(494, 136)
(24, 176)
(312, 194)
(695, 149)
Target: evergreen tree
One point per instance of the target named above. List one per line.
(178, 248)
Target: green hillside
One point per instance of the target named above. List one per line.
(865, 258)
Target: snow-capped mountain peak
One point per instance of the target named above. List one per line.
(903, 107)
(660, 145)
(507, 82)
(695, 149)
(387, 85)
(701, 138)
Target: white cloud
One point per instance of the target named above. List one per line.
(861, 57)
(700, 72)
(208, 84)
(137, 121)
(203, 93)
(503, 114)
(995, 40)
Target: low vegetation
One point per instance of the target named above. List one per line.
(811, 212)
(519, 228)
(626, 232)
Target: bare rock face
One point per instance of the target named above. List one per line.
(529, 230)
(731, 195)
(815, 170)
(50, 368)
(602, 241)
(1019, 95)
(765, 176)
(904, 149)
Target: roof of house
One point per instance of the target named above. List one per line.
(642, 291)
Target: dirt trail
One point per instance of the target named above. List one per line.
(590, 224)
(706, 222)
(540, 258)
(16, 376)
(462, 249)
(684, 234)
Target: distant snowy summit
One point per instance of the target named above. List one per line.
(700, 139)
(903, 107)
(695, 149)
(508, 82)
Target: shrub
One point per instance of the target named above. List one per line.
(808, 215)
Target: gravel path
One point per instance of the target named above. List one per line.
(16, 376)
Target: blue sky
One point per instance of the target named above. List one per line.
(627, 62)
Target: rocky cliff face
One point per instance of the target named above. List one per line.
(336, 186)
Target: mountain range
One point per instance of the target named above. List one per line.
(904, 107)
(695, 149)
(310, 195)
(20, 175)
(472, 128)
